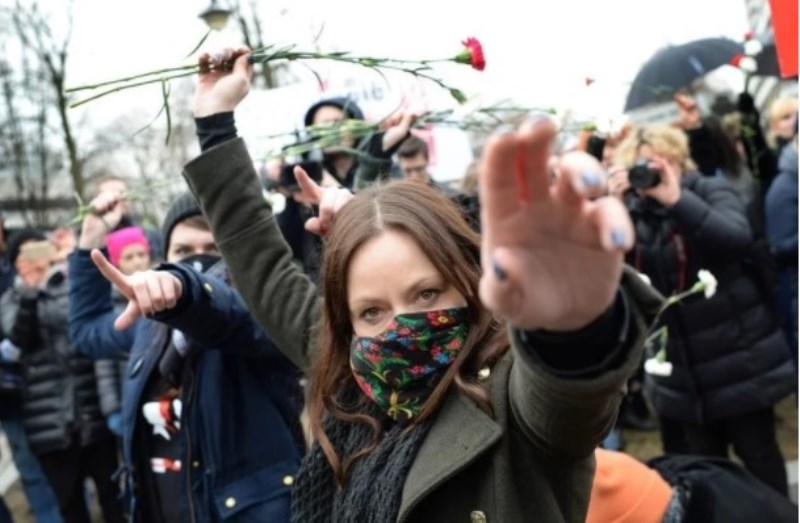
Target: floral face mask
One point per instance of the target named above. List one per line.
(399, 368)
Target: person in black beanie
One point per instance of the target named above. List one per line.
(208, 400)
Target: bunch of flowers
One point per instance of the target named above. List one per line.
(332, 134)
(657, 364)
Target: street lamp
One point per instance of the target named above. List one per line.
(215, 17)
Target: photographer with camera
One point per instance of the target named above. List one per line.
(330, 166)
(730, 362)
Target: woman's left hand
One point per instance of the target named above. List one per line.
(552, 258)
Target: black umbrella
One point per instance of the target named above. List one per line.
(678, 66)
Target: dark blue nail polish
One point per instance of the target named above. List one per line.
(590, 178)
(499, 272)
(617, 238)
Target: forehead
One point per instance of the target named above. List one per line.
(328, 113)
(185, 235)
(387, 263)
(133, 248)
(417, 158)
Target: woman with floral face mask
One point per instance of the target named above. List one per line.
(453, 379)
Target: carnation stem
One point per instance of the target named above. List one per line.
(130, 78)
(129, 85)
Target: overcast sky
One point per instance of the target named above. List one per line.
(538, 52)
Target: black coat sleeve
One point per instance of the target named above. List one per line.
(25, 331)
(712, 213)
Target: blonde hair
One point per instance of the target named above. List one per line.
(780, 108)
(667, 142)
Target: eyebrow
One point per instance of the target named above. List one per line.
(420, 284)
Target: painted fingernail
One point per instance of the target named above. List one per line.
(591, 178)
(618, 238)
(499, 272)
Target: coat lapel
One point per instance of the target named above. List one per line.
(460, 433)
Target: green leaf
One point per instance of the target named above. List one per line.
(199, 44)
(459, 96)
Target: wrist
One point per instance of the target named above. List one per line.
(669, 200)
(203, 109)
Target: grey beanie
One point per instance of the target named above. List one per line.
(185, 206)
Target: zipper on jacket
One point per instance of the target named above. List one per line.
(188, 439)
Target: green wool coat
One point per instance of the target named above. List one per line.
(532, 462)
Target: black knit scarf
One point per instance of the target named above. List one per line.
(375, 485)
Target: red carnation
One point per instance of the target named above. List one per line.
(736, 60)
(472, 54)
(748, 35)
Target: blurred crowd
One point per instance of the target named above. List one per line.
(172, 367)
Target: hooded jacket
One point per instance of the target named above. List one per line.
(241, 438)
(728, 354)
(60, 402)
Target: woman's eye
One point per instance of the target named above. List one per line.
(428, 295)
(371, 314)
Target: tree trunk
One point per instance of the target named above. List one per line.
(75, 164)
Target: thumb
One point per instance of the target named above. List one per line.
(242, 65)
(313, 226)
(128, 317)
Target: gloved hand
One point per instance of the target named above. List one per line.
(114, 423)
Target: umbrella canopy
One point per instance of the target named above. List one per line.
(678, 66)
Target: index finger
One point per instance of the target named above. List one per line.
(308, 187)
(112, 274)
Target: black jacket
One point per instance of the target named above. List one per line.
(60, 400)
(728, 354)
(111, 372)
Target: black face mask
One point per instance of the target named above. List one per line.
(201, 262)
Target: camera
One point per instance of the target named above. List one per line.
(640, 176)
(289, 182)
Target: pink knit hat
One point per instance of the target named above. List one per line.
(118, 240)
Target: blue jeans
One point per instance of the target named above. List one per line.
(37, 489)
(5, 515)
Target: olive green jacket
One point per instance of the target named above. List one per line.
(532, 463)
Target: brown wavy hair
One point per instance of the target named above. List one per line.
(442, 233)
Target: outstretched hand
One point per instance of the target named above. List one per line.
(552, 258)
(329, 200)
(396, 128)
(147, 292)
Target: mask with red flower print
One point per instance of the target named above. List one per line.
(399, 368)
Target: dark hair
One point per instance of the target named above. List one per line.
(439, 229)
(412, 146)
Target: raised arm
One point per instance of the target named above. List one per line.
(280, 297)
(553, 267)
(91, 307)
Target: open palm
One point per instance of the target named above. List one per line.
(552, 258)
